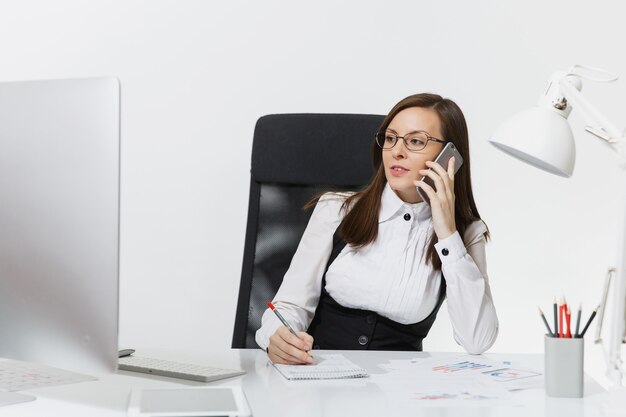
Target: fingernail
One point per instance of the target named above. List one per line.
(309, 359)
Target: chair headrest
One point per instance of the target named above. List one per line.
(332, 149)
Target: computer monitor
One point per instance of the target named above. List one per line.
(59, 222)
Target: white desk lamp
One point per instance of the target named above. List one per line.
(550, 146)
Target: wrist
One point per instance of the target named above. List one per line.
(444, 234)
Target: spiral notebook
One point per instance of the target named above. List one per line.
(324, 367)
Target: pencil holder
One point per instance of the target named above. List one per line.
(564, 362)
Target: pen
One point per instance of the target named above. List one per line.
(578, 319)
(282, 319)
(545, 322)
(589, 321)
(556, 323)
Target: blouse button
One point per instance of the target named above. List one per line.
(363, 340)
(445, 251)
(407, 217)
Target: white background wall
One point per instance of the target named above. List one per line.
(196, 71)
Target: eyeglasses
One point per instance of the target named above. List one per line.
(414, 141)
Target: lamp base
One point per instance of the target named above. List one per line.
(616, 405)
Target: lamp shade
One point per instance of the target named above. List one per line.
(541, 137)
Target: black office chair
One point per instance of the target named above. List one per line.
(294, 157)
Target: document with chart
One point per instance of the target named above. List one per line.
(463, 380)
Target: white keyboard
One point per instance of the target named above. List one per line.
(175, 369)
(18, 376)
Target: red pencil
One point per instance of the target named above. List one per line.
(561, 320)
(568, 315)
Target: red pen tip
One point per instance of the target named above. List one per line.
(270, 305)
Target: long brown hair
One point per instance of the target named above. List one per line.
(360, 224)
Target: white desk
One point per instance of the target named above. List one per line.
(269, 394)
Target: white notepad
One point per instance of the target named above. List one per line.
(324, 367)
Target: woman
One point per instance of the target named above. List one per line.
(373, 267)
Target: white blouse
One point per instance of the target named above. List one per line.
(389, 276)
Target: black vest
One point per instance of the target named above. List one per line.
(342, 328)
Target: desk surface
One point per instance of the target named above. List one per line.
(269, 394)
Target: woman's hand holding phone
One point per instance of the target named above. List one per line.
(289, 349)
(441, 198)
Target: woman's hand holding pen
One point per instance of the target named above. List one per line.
(289, 349)
(441, 199)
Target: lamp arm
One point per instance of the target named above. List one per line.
(617, 140)
(579, 102)
(618, 324)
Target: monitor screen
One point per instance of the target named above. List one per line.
(59, 222)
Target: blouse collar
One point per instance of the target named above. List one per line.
(392, 206)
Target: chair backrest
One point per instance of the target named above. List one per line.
(294, 156)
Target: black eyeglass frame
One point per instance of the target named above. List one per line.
(428, 138)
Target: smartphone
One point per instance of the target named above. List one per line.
(442, 159)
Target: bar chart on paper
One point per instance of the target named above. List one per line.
(460, 366)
